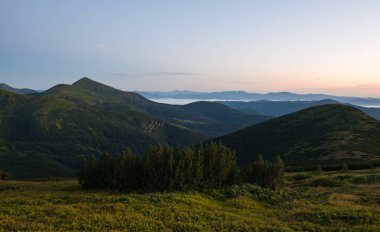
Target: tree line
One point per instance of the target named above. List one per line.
(166, 168)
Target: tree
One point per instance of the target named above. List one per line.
(89, 175)
(265, 174)
(278, 173)
(127, 171)
(318, 170)
(5, 175)
(345, 167)
(165, 168)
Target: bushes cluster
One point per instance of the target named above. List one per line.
(257, 193)
(366, 179)
(168, 168)
(301, 177)
(265, 174)
(336, 167)
(325, 182)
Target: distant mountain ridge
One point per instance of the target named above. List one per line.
(245, 96)
(332, 133)
(15, 90)
(280, 108)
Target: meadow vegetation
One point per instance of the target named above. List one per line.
(307, 202)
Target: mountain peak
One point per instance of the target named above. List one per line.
(89, 85)
(4, 85)
(14, 90)
(84, 81)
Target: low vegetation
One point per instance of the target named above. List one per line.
(298, 206)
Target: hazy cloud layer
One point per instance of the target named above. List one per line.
(155, 74)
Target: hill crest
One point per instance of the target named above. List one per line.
(327, 133)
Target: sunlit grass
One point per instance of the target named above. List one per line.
(65, 206)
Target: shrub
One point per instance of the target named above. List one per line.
(343, 177)
(257, 193)
(265, 174)
(325, 182)
(301, 177)
(367, 179)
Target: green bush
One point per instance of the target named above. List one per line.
(257, 193)
(343, 177)
(367, 179)
(329, 218)
(301, 177)
(264, 173)
(325, 182)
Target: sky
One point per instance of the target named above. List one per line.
(314, 46)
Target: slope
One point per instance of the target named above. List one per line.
(222, 119)
(322, 134)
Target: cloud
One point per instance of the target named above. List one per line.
(360, 90)
(100, 46)
(154, 74)
(233, 81)
(174, 74)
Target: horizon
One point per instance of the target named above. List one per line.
(322, 47)
(193, 91)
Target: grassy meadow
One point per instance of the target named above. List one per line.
(327, 201)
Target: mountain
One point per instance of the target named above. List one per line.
(220, 119)
(19, 91)
(46, 134)
(331, 133)
(275, 108)
(245, 96)
(280, 108)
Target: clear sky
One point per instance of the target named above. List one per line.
(319, 46)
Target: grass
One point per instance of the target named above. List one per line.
(299, 206)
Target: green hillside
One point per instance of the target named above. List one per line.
(220, 119)
(45, 134)
(322, 134)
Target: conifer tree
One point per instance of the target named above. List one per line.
(345, 167)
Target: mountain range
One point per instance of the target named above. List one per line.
(280, 108)
(45, 134)
(245, 96)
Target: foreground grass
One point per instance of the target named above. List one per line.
(334, 201)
